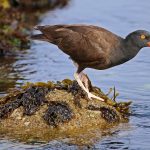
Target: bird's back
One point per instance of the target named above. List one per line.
(83, 43)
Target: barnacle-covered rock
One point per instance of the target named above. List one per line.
(47, 111)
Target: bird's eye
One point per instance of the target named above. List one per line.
(143, 37)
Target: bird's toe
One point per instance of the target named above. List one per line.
(91, 96)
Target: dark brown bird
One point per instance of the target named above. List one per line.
(93, 47)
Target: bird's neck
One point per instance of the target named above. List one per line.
(130, 50)
(124, 52)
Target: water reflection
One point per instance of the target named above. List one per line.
(8, 74)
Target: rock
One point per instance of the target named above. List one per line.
(48, 111)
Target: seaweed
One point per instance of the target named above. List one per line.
(49, 85)
(58, 112)
(123, 108)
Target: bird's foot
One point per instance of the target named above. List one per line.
(86, 89)
(90, 96)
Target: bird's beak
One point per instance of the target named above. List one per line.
(148, 44)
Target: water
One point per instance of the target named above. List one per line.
(45, 62)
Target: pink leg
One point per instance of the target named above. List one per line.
(85, 80)
(90, 95)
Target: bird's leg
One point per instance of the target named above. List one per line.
(90, 95)
(85, 80)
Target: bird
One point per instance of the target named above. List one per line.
(91, 46)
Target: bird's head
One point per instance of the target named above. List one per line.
(139, 38)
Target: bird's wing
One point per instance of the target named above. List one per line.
(83, 43)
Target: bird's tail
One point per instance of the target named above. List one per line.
(38, 36)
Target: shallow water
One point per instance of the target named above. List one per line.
(45, 62)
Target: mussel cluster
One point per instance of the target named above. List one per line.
(107, 113)
(58, 112)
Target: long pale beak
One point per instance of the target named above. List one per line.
(148, 44)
